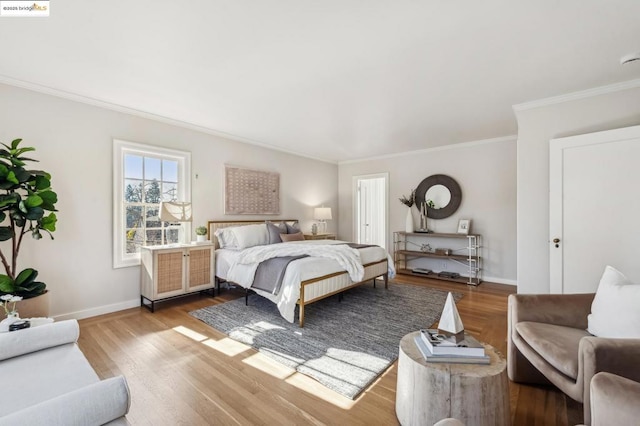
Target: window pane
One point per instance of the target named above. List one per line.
(134, 217)
(153, 221)
(169, 192)
(152, 192)
(154, 237)
(152, 168)
(132, 191)
(169, 171)
(133, 240)
(133, 166)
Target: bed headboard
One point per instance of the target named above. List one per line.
(214, 225)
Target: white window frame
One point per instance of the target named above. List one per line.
(121, 148)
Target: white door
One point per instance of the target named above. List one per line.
(594, 208)
(370, 195)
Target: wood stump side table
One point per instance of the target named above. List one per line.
(428, 392)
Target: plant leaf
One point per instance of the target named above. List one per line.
(42, 182)
(11, 177)
(22, 175)
(15, 143)
(33, 289)
(33, 201)
(6, 200)
(48, 223)
(25, 277)
(49, 198)
(6, 233)
(35, 213)
(6, 284)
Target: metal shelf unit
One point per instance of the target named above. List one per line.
(470, 260)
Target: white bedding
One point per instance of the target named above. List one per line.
(229, 268)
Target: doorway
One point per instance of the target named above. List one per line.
(593, 208)
(371, 209)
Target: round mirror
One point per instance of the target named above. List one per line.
(443, 191)
(437, 196)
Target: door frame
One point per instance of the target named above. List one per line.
(355, 198)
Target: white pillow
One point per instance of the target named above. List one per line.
(226, 238)
(251, 235)
(615, 311)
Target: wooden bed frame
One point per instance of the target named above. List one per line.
(318, 288)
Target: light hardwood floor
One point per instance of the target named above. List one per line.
(181, 371)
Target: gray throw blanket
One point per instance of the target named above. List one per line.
(270, 273)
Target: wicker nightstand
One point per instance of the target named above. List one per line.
(320, 237)
(175, 270)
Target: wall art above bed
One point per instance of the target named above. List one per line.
(249, 191)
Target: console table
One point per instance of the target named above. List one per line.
(429, 392)
(408, 246)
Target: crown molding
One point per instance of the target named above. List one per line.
(574, 96)
(147, 115)
(510, 138)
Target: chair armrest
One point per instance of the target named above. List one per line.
(617, 356)
(569, 310)
(602, 354)
(95, 404)
(614, 400)
(16, 343)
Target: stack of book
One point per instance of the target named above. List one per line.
(436, 347)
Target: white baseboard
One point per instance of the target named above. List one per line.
(100, 310)
(500, 281)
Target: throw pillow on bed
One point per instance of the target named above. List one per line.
(274, 231)
(293, 229)
(298, 236)
(251, 235)
(241, 237)
(614, 311)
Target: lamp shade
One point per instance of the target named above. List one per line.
(175, 211)
(322, 213)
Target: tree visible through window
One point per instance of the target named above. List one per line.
(143, 177)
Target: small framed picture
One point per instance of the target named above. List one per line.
(463, 226)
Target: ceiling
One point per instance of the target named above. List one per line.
(334, 79)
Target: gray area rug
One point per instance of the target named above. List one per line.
(343, 345)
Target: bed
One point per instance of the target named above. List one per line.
(306, 280)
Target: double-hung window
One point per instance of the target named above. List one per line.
(144, 176)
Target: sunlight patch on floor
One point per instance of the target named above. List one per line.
(227, 346)
(269, 366)
(185, 331)
(313, 387)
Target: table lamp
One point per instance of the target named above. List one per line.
(175, 211)
(322, 214)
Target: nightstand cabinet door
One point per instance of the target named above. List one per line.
(169, 273)
(200, 269)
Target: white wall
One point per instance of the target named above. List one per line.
(486, 173)
(73, 142)
(537, 124)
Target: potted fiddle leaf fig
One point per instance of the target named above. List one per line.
(27, 203)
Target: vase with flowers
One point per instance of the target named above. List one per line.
(9, 302)
(409, 203)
